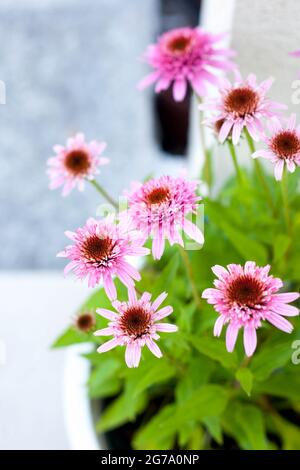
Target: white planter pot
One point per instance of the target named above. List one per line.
(78, 415)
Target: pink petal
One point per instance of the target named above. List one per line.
(69, 267)
(291, 166)
(219, 271)
(224, 131)
(163, 312)
(236, 132)
(287, 296)
(158, 245)
(179, 89)
(148, 80)
(110, 288)
(231, 337)
(159, 300)
(279, 322)
(104, 332)
(132, 295)
(263, 153)
(107, 314)
(219, 325)
(133, 354)
(166, 327)
(279, 170)
(108, 345)
(153, 348)
(250, 340)
(193, 231)
(286, 310)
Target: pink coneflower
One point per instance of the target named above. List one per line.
(159, 207)
(135, 325)
(186, 55)
(100, 252)
(243, 104)
(246, 296)
(75, 163)
(283, 147)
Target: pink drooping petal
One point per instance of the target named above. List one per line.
(231, 337)
(179, 90)
(279, 322)
(236, 132)
(159, 300)
(166, 327)
(104, 332)
(107, 314)
(158, 245)
(148, 80)
(278, 170)
(193, 231)
(287, 296)
(219, 325)
(163, 312)
(133, 354)
(110, 288)
(153, 348)
(286, 310)
(225, 130)
(112, 343)
(250, 340)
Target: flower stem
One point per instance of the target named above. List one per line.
(103, 193)
(285, 200)
(190, 274)
(260, 173)
(235, 161)
(207, 167)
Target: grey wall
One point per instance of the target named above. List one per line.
(68, 65)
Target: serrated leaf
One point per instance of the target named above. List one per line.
(159, 372)
(271, 357)
(213, 425)
(246, 424)
(72, 336)
(245, 377)
(104, 380)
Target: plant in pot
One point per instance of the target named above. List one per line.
(222, 371)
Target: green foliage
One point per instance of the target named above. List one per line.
(199, 396)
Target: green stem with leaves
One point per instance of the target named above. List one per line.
(104, 193)
(260, 173)
(190, 274)
(235, 162)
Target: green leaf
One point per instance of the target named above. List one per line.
(161, 371)
(246, 424)
(104, 380)
(122, 410)
(271, 357)
(281, 245)
(280, 385)
(150, 436)
(166, 278)
(215, 349)
(72, 336)
(208, 400)
(250, 249)
(213, 425)
(245, 377)
(289, 433)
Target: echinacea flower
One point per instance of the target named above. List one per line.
(283, 146)
(159, 208)
(136, 324)
(186, 55)
(85, 321)
(243, 104)
(244, 297)
(76, 162)
(100, 251)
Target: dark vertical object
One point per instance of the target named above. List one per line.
(172, 118)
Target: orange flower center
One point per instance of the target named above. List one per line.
(97, 249)
(158, 195)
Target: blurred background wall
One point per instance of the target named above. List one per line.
(72, 65)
